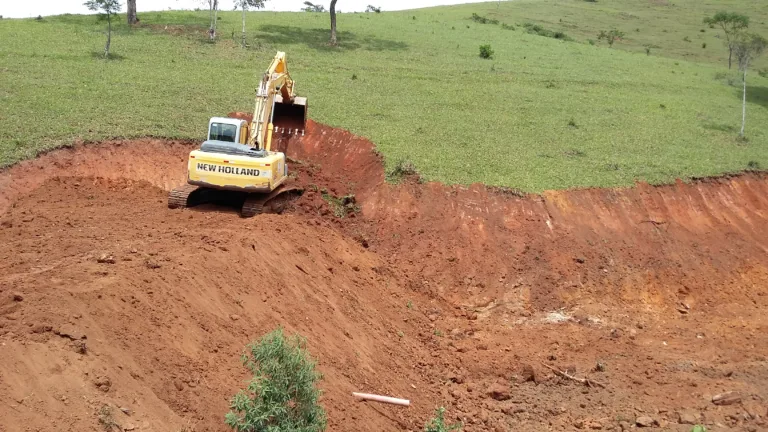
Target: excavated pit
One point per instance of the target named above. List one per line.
(446, 295)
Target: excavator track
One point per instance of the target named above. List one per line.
(180, 196)
(274, 202)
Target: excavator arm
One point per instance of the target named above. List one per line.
(272, 110)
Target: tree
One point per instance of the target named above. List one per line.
(372, 8)
(747, 47)
(333, 22)
(311, 7)
(108, 7)
(732, 24)
(282, 396)
(132, 12)
(245, 4)
(610, 36)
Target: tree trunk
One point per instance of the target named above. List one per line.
(132, 12)
(333, 22)
(744, 102)
(243, 23)
(109, 35)
(730, 55)
(214, 4)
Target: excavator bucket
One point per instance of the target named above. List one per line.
(290, 118)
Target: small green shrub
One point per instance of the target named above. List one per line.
(541, 31)
(283, 394)
(572, 123)
(483, 20)
(703, 31)
(704, 45)
(687, 39)
(763, 72)
(402, 168)
(610, 36)
(354, 76)
(647, 50)
(486, 52)
(437, 423)
(591, 41)
(753, 165)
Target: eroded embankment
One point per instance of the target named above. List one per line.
(433, 293)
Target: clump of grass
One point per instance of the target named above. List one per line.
(647, 50)
(541, 31)
(483, 20)
(354, 77)
(753, 165)
(402, 168)
(106, 420)
(704, 45)
(486, 51)
(591, 41)
(572, 123)
(507, 26)
(341, 206)
(687, 39)
(574, 153)
(409, 304)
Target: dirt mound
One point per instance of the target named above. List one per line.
(445, 295)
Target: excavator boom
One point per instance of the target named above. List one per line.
(276, 113)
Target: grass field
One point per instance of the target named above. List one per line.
(542, 114)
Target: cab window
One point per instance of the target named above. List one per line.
(223, 132)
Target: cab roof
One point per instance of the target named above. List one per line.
(226, 120)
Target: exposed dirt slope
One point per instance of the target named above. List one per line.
(450, 296)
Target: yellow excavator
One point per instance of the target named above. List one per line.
(236, 162)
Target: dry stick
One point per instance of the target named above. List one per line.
(585, 381)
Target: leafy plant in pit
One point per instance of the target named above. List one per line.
(437, 423)
(282, 396)
(732, 24)
(486, 52)
(109, 8)
(699, 428)
(610, 36)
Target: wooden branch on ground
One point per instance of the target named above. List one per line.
(586, 381)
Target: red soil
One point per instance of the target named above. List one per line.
(439, 294)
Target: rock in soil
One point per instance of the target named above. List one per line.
(727, 398)
(645, 421)
(687, 418)
(499, 392)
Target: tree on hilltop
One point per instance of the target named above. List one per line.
(747, 47)
(245, 5)
(732, 24)
(109, 8)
